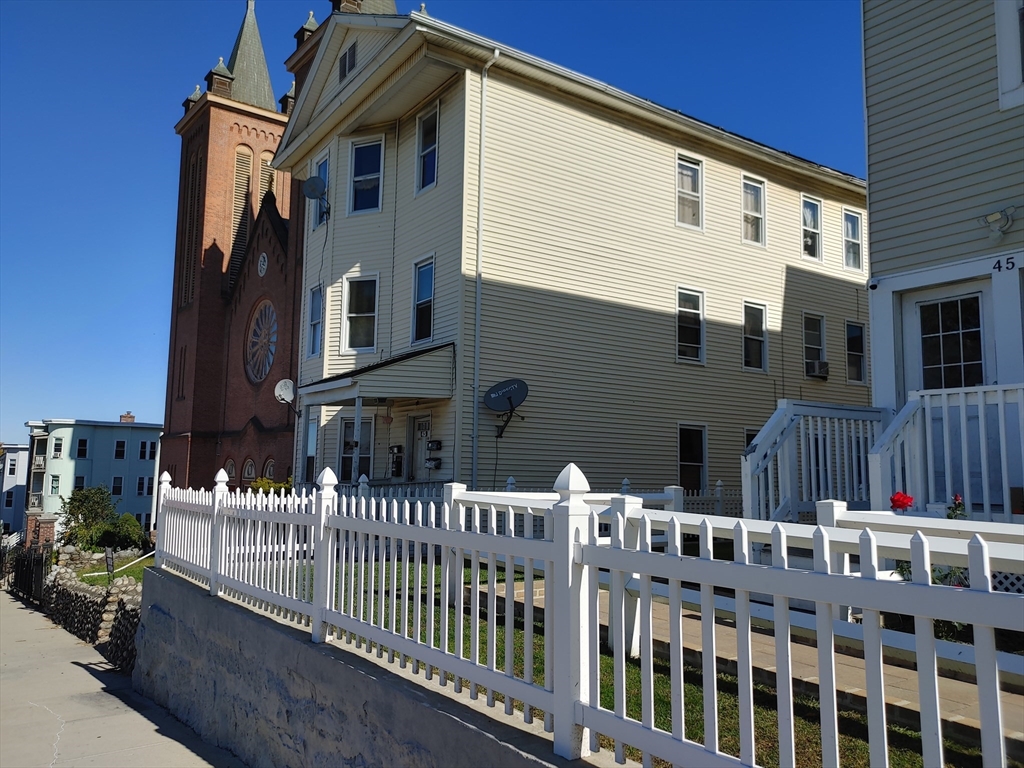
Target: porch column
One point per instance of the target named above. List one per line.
(357, 430)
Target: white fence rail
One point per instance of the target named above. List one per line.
(955, 441)
(807, 452)
(394, 577)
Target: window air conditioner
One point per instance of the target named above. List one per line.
(817, 369)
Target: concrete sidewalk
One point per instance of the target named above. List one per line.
(61, 704)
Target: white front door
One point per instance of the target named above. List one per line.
(419, 426)
(948, 337)
(348, 449)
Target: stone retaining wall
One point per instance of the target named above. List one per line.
(105, 616)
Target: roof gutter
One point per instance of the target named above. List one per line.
(479, 265)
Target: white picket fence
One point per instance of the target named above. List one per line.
(374, 586)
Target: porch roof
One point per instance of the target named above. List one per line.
(424, 374)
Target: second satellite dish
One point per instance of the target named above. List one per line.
(314, 188)
(285, 391)
(504, 397)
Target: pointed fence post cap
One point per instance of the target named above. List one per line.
(363, 479)
(571, 480)
(221, 478)
(327, 479)
(165, 478)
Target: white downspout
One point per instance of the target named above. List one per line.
(479, 266)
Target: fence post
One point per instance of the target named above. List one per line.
(165, 486)
(364, 485)
(571, 648)
(452, 492)
(677, 496)
(828, 513)
(323, 563)
(220, 490)
(720, 503)
(625, 486)
(510, 484)
(747, 486)
(630, 540)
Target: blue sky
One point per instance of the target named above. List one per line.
(89, 158)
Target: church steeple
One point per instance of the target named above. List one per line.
(248, 65)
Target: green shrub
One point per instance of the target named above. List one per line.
(267, 485)
(89, 521)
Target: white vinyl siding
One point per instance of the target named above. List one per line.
(941, 153)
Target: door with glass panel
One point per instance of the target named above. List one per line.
(348, 450)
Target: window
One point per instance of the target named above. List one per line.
(58, 447)
(9, 499)
(117, 486)
(852, 241)
(119, 449)
(152, 450)
(423, 306)
(755, 342)
(361, 312)
(149, 486)
(147, 447)
(229, 470)
(79, 482)
(753, 211)
(690, 325)
(267, 177)
(814, 343)
(812, 228)
(248, 471)
(142, 449)
(12, 466)
(688, 191)
(55, 485)
(749, 436)
(1009, 18)
(951, 343)
(855, 368)
(83, 449)
(316, 313)
(261, 342)
(348, 448)
(347, 63)
(367, 169)
(691, 458)
(268, 469)
(323, 171)
(310, 474)
(426, 168)
(140, 487)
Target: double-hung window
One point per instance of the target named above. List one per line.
(689, 186)
(120, 447)
(856, 371)
(852, 241)
(9, 499)
(79, 482)
(12, 466)
(58, 447)
(814, 344)
(323, 171)
(423, 309)
(361, 312)
(147, 446)
(811, 220)
(426, 168)
(55, 485)
(83, 448)
(367, 171)
(140, 487)
(755, 337)
(117, 486)
(753, 211)
(316, 312)
(690, 325)
(692, 457)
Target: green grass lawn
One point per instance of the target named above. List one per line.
(136, 571)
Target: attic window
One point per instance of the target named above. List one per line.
(347, 64)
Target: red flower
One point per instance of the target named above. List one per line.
(899, 501)
(958, 499)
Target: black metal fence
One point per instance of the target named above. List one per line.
(30, 566)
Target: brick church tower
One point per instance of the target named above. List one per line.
(236, 278)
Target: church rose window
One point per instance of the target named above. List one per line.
(261, 342)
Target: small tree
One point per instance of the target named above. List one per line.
(86, 515)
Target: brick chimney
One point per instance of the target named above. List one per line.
(347, 6)
(127, 417)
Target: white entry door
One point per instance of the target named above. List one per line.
(419, 427)
(948, 337)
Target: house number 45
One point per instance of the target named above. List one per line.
(1008, 264)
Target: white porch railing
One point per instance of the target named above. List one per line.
(955, 441)
(374, 585)
(807, 452)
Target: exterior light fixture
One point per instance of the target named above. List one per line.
(998, 223)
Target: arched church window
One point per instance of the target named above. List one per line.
(229, 468)
(261, 342)
(242, 213)
(268, 469)
(248, 471)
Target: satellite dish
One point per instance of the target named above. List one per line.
(314, 187)
(285, 391)
(504, 397)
